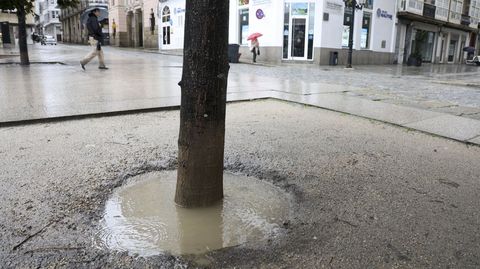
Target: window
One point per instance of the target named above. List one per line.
(369, 4)
(366, 24)
(166, 14)
(244, 28)
(286, 28)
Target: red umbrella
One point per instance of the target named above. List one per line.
(254, 36)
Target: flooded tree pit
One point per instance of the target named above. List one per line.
(142, 218)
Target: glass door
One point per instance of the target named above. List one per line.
(298, 39)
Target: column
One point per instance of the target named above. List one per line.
(459, 50)
(447, 46)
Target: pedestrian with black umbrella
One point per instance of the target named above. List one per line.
(95, 39)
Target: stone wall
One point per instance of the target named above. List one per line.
(361, 57)
(321, 56)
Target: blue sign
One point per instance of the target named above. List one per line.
(384, 14)
(178, 10)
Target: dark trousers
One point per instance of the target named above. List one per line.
(254, 51)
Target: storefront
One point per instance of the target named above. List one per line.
(288, 28)
(295, 30)
(298, 31)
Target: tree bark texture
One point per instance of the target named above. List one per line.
(202, 113)
(22, 36)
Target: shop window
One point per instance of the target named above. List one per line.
(347, 19)
(286, 29)
(311, 30)
(166, 14)
(244, 26)
(366, 26)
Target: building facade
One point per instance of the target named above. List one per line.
(437, 30)
(73, 21)
(310, 30)
(48, 18)
(136, 23)
(9, 28)
(293, 30)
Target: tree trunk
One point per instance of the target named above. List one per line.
(22, 36)
(202, 113)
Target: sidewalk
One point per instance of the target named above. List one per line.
(139, 81)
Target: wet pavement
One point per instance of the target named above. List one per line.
(143, 80)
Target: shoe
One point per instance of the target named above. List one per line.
(103, 67)
(83, 66)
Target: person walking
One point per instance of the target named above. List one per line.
(95, 39)
(255, 49)
(114, 28)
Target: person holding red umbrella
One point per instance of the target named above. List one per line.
(254, 45)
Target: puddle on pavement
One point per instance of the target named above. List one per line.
(142, 218)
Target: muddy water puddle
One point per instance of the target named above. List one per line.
(142, 218)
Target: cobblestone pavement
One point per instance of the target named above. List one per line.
(453, 89)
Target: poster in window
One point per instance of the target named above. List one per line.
(299, 8)
(364, 38)
(243, 2)
(345, 35)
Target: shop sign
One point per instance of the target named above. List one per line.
(334, 7)
(261, 2)
(178, 10)
(260, 14)
(465, 20)
(384, 14)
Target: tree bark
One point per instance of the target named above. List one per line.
(202, 113)
(22, 35)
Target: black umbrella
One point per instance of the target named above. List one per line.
(469, 49)
(103, 14)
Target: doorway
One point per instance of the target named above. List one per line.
(298, 31)
(166, 24)
(139, 26)
(298, 38)
(451, 51)
(130, 29)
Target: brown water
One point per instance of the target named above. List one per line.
(142, 217)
